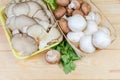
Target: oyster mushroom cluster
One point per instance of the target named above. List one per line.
(32, 25)
(82, 26)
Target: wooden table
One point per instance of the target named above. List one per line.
(103, 65)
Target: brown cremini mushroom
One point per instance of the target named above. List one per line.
(86, 8)
(59, 12)
(62, 2)
(52, 56)
(69, 12)
(80, 1)
(77, 12)
(64, 25)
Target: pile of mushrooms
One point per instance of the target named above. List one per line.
(82, 26)
(32, 26)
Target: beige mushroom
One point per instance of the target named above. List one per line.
(21, 9)
(34, 7)
(19, 22)
(36, 31)
(52, 56)
(8, 10)
(24, 44)
(53, 34)
(40, 14)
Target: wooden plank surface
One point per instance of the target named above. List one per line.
(103, 65)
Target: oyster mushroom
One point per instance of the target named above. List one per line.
(21, 9)
(24, 44)
(19, 22)
(16, 31)
(44, 24)
(36, 31)
(52, 56)
(10, 23)
(41, 3)
(53, 34)
(9, 10)
(41, 15)
(34, 7)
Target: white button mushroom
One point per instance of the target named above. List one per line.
(101, 40)
(105, 30)
(77, 23)
(75, 4)
(75, 36)
(86, 44)
(91, 28)
(95, 16)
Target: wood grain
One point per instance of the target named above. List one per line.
(102, 65)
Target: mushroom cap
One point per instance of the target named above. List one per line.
(77, 12)
(62, 2)
(75, 4)
(36, 31)
(46, 25)
(34, 7)
(86, 8)
(9, 10)
(77, 23)
(24, 44)
(101, 40)
(86, 44)
(23, 21)
(41, 15)
(10, 23)
(59, 12)
(69, 12)
(21, 9)
(64, 25)
(104, 29)
(53, 34)
(91, 27)
(52, 56)
(75, 36)
(95, 16)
